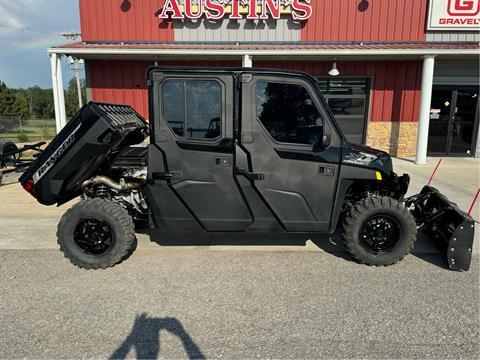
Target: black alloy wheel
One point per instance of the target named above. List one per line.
(93, 237)
(379, 234)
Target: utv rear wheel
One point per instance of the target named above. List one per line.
(379, 231)
(96, 234)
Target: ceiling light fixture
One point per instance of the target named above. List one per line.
(334, 71)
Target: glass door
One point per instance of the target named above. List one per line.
(463, 122)
(453, 120)
(440, 114)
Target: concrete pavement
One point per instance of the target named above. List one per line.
(236, 304)
(457, 178)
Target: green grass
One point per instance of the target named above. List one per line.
(32, 130)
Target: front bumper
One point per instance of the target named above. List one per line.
(399, 185)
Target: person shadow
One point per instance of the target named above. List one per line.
(145, 338)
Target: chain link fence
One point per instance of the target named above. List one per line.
(19, 129)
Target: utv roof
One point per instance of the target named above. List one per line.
(221, 70)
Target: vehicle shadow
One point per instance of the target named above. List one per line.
(425, 248)
(329, 244)
(145, 338)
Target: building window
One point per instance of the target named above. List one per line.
(288, 113)
(348, 100)
(193, 108)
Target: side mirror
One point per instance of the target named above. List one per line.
(323, 142)
(327, 138)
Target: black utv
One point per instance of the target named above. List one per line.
(239, 151)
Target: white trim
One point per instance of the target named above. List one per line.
(53, 63)
(280, 52)
(58, 92)
(61, 93)
(424, 116)
(477, 147)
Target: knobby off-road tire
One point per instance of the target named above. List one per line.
(96, 234)
(7, 147)
(379, 231)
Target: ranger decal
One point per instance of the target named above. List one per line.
(55, 156)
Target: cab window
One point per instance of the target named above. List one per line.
(288, 113)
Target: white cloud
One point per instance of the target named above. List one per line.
(9, 21)
(23, 17)
(27, 29)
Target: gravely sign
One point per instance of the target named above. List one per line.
(451, 15)
(236, 9)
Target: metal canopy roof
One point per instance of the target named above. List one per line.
(303, 49)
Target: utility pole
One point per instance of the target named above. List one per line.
(30, 101)
(79, 87)
(72, 36)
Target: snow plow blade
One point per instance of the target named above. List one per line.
(443, 221)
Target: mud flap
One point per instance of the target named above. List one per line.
(443, 221)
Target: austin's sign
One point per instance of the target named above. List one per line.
(454, 15)
(236, 9)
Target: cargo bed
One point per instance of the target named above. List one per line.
(88, 145)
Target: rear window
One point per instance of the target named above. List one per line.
(193, 108)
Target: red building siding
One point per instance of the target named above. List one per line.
(120, 82)
(395, 84)
(124, 82)
(332, 20)
(110, 20)
(372, 20)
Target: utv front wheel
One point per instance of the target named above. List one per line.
(96, 234)
(379, 231)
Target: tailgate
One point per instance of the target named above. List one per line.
(87, 145)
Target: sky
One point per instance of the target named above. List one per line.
(27, 29)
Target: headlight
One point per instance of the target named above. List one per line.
(385, 162)
(387, 165)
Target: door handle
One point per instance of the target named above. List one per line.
(249, 175)
(167, 176)
(326, 170)
(223, 161)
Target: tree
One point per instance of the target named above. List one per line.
(35, 102)
(42, 102)
(6, 99)
(71, 97)
(12, 102)
(20, 105)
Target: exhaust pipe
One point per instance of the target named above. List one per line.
(119, 186)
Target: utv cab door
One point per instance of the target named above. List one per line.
(191, 163)
(293, 149)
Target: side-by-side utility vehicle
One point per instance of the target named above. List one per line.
(232, 151)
